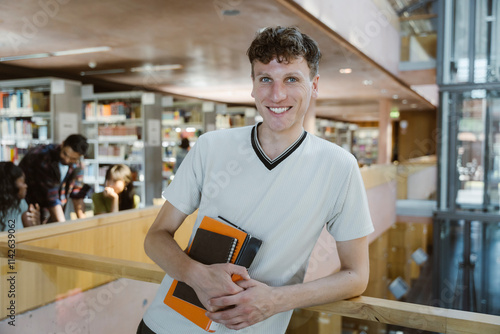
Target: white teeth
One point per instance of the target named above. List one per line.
(279, 110)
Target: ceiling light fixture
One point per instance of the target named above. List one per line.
(345, 70)
(156, 68)
(99, 72)
(367, 82)
(81, 51)
(31, 56)
(57, 53)
(230, 12)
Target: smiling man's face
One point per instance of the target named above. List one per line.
(282, 93)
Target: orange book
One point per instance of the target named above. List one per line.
(214, 242)
(106, 110)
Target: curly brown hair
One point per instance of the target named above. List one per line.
(285, 44)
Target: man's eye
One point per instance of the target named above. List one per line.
(291, 80)
(265, 79)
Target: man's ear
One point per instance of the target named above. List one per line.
(315, 90)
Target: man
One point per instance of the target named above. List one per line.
(278, 183)
(54, 173)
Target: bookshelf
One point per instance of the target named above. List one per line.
(36, 111)
(180, 119)
(124, 128)
(365, 145)
(233, 117)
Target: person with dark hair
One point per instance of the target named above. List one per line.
(118, 194)
(14, 211)
(278, 183)
(54, 174)
(180, 153)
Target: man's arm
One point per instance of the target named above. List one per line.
(79, 207)
(208, 281)
(57, 213)
(259, 301)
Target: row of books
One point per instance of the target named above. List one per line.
(12, 153)
(24, 99)
(171, 134)
(119, 131)
(229, 121)
(119, 153)
(21, 129)
(116, 111)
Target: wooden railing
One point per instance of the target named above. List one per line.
(415, 316)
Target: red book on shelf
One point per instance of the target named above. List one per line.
(214, 242)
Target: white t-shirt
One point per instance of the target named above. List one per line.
(285, 202)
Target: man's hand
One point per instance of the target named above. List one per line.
(254, 304)
(32, 216)
(214, 280)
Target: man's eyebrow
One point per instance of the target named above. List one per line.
(289, 74)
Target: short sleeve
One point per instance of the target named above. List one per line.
(98, 201)
(137, 201)
(352, 219)
(184, 192)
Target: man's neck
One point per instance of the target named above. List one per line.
(275, 143)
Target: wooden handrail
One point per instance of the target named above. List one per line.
(53, 229)
(147, 272)
(374, 309)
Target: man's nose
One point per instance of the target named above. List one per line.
(278, 92)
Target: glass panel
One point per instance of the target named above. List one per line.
(486, 48)
(490, 281)
(459, 66)
(471, 109)
(493, 172)
(472, 286)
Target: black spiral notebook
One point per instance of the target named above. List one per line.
(215, 241)
(208, 248)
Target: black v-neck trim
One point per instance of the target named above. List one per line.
(270, 164)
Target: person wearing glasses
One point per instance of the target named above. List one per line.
(54, 174)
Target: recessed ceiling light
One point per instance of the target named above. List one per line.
(367, 82)
(414, 105)
(395, 96)
(345, 70)
(405, 101)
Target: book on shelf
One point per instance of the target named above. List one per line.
(17, 129)
(215, 241)
(115, 111)
(24, 99)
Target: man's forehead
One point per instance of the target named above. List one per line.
(295, 65)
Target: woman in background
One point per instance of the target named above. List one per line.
(118, 194)
(14, 211)
(180, 153)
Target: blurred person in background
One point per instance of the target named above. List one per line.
(14, 211)
(54, 174)
(118, 194)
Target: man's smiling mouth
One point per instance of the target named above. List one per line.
(279, 110)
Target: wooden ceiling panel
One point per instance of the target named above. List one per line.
(211, 47)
